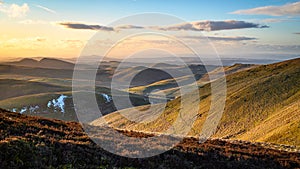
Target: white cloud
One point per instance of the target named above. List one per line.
(14, 10)
(46, 9)
(290, 9)
(275, 20)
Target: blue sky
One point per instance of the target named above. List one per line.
(43, 18)
(188, 10)
(114, 9)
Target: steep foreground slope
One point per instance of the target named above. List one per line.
(35, 142)
(262, 104)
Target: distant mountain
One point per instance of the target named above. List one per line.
(43, 63)
(262, 105)
(55, 63)
(26, 62)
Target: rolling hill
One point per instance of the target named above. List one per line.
(28, 85)
(262, 105)
(15, 88)
(259, 128)
(169, 87)
(154, 73)
(30, 89)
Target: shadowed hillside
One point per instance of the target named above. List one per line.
(170, 87)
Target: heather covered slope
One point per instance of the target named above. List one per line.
(262, 104)
(35, 142)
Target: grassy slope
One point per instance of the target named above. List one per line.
(282, 126)
(257, 94)
(256, 99)
(13, 88)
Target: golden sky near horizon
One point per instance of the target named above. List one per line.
(29, 39)
(62, 30)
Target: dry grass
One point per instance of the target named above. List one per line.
(34, 142)
(262, 104)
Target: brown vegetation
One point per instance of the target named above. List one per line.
(35, 142)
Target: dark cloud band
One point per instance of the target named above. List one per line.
(85, 26)
(189, 26)
(221, 38)
(214, 26)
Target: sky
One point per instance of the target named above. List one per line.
(64, 29)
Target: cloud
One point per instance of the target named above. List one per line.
(46, 9)
(70, 43)
(24, 43)
(221, 38)
(282, 48)
(290, 9)
(213, 26)
(31, 22)
(189, 26)
(130, 27)
(39, 39)
(276, 20)
(14, 10)
(73, 25)
(297, 33)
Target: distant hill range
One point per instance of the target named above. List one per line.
(43, 63)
